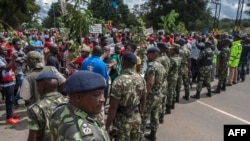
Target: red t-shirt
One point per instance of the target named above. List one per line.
(79, 61)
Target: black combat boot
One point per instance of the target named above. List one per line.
(186, 96)
(209, 94)
(161, 118)
(177, 97)
(173, 105)
(151, 136)
(196, 96)
(217, 90)
(168, 109)
(223, 88)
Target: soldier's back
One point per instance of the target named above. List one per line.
(157, 70)
(40, 112)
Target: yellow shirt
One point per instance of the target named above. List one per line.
(138, 62)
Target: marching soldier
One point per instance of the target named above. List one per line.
(165, 61)
(223, 65)
(154, 79)
(184, 72)
(127, 101)
(204, 62)
(172, 76)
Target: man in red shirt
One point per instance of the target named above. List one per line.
(77, 62)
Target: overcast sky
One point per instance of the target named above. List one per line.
(228, 7)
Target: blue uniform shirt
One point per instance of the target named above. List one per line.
(95, 64)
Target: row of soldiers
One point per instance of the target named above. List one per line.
(168, 67)
(134, 100)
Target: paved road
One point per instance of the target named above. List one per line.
(194, 120)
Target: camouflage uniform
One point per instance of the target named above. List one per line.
(183, 73)
(129, 88)
(165, 61)
(172, 79)
(205, 61)
(223, 59)
(69, 123)
(154, 98)
(39, 114)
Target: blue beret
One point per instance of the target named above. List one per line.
(84, 81)
(209, 43)
(153, 49)
(130, 57)
(226, 40)
(46, 75)
(162, 45)
(181, 40)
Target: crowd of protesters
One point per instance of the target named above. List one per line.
(168, 60)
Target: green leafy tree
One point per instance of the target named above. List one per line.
(16, 12)
(189, 11)
(53, 14)
(168, 21)
(103, 9)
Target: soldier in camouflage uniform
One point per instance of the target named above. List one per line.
(223, 65)
(204, 63)
(154, 78)
(39, 113)
(127, 101)
(165, 61)
(184, 71)
(76, 120)
(172, 76)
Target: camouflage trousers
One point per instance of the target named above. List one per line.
(151, 112)
(222, 75)
(185, 79)
(171, 92)
(204, 77)
(164, 98)
(129, 127)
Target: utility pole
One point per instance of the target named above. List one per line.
(236, 29)
(216, 15)
(53, 7)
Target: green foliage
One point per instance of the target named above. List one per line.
(188, 12)
(168, 21)
(16, 12)
(102, 9)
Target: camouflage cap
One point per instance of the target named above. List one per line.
(34, 55)
(175, 46)
(36, 58)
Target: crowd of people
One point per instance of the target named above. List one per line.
(66, 94)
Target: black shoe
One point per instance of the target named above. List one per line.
(234, 82)
(223, 88)
(216, 91)
(185, 97)
(173, 105)
(196, 96)
(161, 118)
(209, 94)
(229, 84)
(177, 100)
(168, 109)
(151, 136)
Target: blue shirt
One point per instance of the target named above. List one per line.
(95, 64)
(194, 53)
(37, 43)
